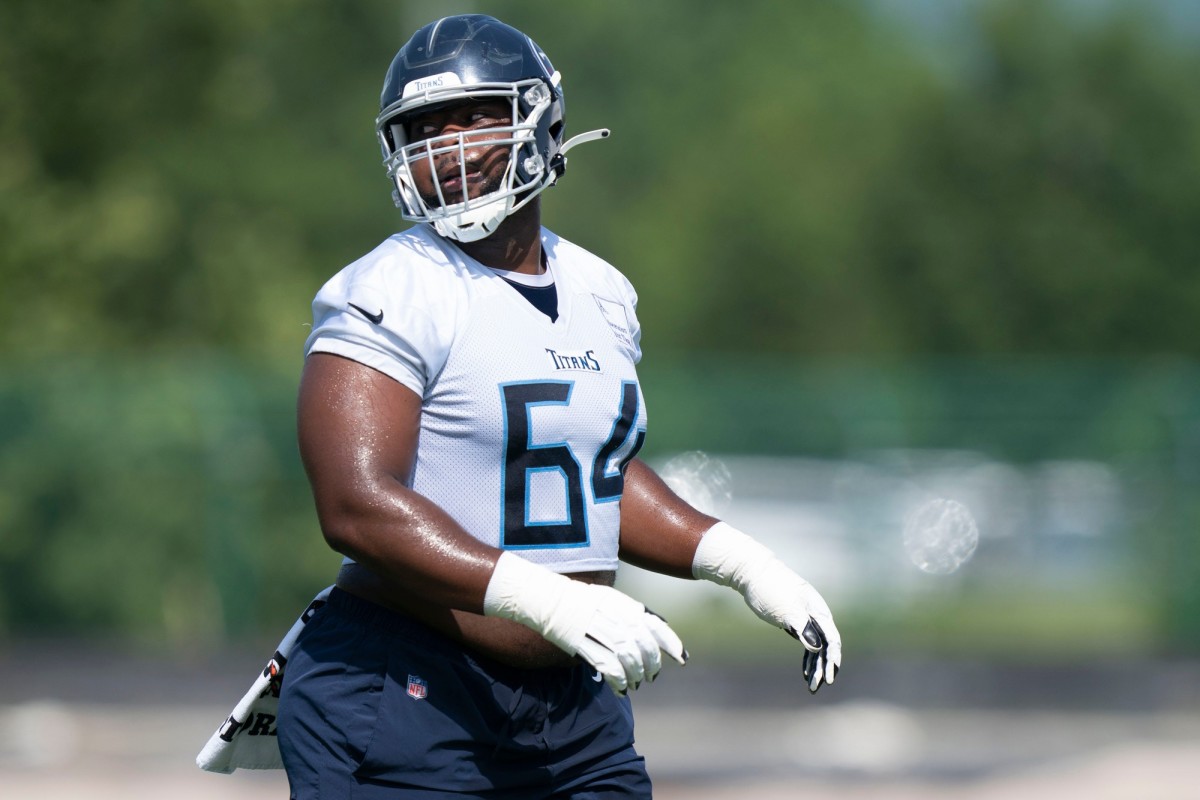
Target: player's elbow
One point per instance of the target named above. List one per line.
(346, 527)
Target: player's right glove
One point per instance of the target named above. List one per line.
(776, 594)
(606, 628)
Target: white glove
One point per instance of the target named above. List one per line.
(775, 593)
(611, 631)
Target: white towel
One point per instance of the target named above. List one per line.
(247, 739)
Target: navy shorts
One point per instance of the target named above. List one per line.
(376, 705)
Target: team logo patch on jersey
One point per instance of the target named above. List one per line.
(563, 359)
(617, 319)
(418, 688)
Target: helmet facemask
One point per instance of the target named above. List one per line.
(533, 157)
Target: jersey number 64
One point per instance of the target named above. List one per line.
(523, 460)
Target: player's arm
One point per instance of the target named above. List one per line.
(358, 431)
(659, 530)
(663, 533)
(358, 434)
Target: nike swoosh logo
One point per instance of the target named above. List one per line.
(376, 318)
(598, 677)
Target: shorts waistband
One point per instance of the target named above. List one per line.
(357, 611)
(352, 608)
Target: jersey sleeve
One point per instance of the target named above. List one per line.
(629, 295)
(369, 313)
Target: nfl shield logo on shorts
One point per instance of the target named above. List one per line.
(418, 688)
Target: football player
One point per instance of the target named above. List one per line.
(469, 419)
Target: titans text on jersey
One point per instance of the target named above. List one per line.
(585, 360)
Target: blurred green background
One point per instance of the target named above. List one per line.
(858, 229)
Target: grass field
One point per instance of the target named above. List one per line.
(108, 726)
(715, 754)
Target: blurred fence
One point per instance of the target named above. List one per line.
(1082, 476)
(162, 497)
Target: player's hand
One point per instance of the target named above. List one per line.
(787, 601)
(621, 638)
(776, 594)
(611, 631)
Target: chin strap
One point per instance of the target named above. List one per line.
(590, 136)
(558, 165)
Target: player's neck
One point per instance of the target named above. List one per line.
(515, 246)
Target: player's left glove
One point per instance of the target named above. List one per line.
(776, 594)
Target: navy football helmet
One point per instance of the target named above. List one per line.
(464, 58)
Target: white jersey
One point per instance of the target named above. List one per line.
(526, 423)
